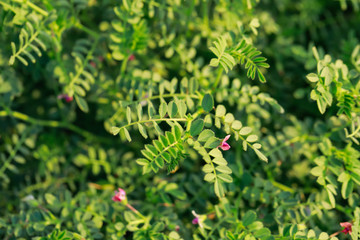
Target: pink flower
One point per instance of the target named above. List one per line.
(198, 219)
(131, 58)
(66, 97)
(347, 227)
(119, 196)
(224, 145)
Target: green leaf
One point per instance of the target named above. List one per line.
(236, 125)
(11, 60)
(172, 109)
(312, 77)
(249, 218)
(115, 130)
(220, 111)
(261, 233)
(355, 228)
(166, 157)
(209, 177)
(170, 137)
(160, 162)
(225, 177)
(196, 127)
(157, 128)
(139, 111)
(261, 155)
(182, 108)
(82, 104)
(317, 171)
(252, 138)
(142, 161)
(219, 189)
(163, 140)
(128, 115)
(142, 130)
(13, 49)
(208, 168)
(158, 145)
(327, 74)
(214, 62)
(177, 131)
(205, 135)
(323, 236)
(216, 153)
(151, 149)
(79, 90)
(212, 142)
(207, 102)
(224, 169)
(331, 197)
(347, 188)
(162, 109)
(220, 161)
(245, 131)
(127, 134)
(151, 110)
(229, 118)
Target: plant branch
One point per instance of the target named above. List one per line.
(53, 124)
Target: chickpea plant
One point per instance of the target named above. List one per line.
(169, 119)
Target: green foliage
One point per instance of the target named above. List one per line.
(251, 57)
(223, 58)
(29, 42)
(167, 150)
(243, 53)
(157, 98)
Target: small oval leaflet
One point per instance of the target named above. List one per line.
(196, 127)
(207, 102)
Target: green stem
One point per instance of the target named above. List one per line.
(14, 151)
(193, 117)
(355, 132)
(37, 9)
(166, 96)
(355, 65)
(81, 70)
(23, 48)
(122, 71)
(205, 7)
(155, 120)
(106, 101)
(52, 123)
(217, 80)
(215, 227)
(87, 30)
(282, 186)
(135, 211)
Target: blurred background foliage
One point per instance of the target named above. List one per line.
(71, 69)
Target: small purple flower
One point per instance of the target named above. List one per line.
(119, 196)
(131, 58)
(347, 227)
(198, 219)
(66, 97)
(224, 145)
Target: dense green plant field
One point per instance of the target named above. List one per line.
(179, 119)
